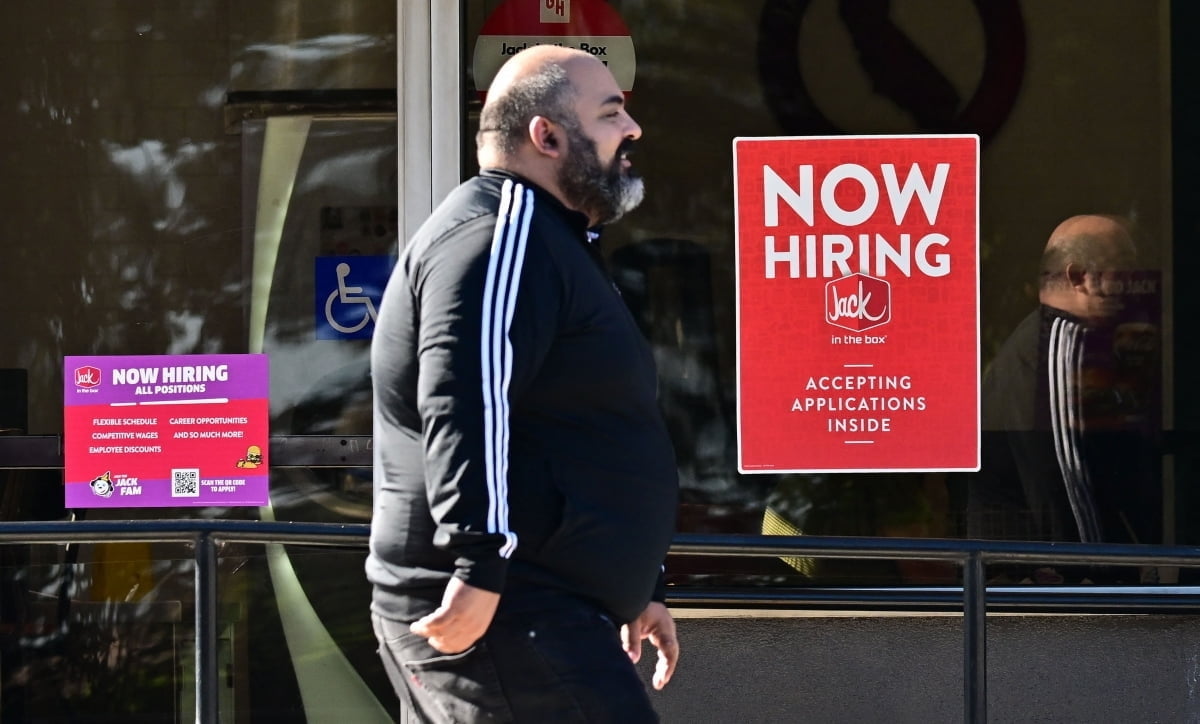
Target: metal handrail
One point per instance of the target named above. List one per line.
(972, 555)
(205, 535)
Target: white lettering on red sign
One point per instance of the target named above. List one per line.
(800, 200)
(827, 256)
(833, 255)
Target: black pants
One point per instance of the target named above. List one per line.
(547, 657)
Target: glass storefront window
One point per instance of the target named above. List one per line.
(138, 138)
(108, 639)
(136, 164)
(104, 633)
(1072, 109)
(176, 172)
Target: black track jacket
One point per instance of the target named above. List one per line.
(1061, 461)
(517, 435)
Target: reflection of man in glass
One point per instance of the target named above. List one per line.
(1068, 403)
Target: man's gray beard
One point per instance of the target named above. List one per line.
(630, 192)
(603, 195)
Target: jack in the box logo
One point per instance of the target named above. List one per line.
(87, 377)
(858, 302)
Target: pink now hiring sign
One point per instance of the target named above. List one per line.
(156, 431)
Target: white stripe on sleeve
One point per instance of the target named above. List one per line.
(505, 262)
(1066, 422)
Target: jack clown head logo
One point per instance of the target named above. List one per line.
(103, 485)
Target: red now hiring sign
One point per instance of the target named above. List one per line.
(858, 303)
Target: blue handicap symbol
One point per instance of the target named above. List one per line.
(348, 292)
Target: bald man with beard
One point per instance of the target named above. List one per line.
(525, 485)
(1057, 462)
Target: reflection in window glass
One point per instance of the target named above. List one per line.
(341, 677)
(96, 633)
(125, 165)
(131, 186)
(1036, 81)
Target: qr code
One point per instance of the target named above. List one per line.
(185, 482)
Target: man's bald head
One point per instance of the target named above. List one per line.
(536, 60)
(1085, 260)
(556, 117)
(1091, 241)
(537, 81)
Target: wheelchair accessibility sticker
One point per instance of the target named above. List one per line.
(348, 292)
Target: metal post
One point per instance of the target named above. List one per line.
(975, 640)
(207, 693)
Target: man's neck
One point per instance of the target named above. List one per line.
(537, 170)
(1065, 302)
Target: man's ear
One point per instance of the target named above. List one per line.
(1075, 274)
(545, 136)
